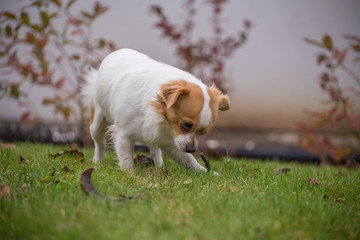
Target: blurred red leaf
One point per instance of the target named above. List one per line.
(321, 58)
(60, 83)
(340, 55)
(247, 23)
(99, 8)
(339, 153)
(326, 143)
(65, 110)
(156, 9)
(24, 16)
(30, 38)
(36, 27)
(14, 90)
(57, 2)
(58, 59)
(75, 57)
(24, 117)
(112, 46)
(101, 43)
(8, 30)
(47, 101)
(69, 4)
(74, 21)
(352, 37)
(328, 43)
(41, 43)
(31, 122)
(310, 41)
(9, 15)
(354, 122)
(44, 19)
(356, 47)
(76, 32)
(87, 15)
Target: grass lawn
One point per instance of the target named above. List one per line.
(249, 200)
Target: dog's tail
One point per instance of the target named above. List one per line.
(87, 90)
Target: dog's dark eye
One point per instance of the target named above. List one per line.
(186, 126)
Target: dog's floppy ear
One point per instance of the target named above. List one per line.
(172, 90)
(221, 99)
(224, 103)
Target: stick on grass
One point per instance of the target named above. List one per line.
(207, 163)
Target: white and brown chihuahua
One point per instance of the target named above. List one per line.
(141, 100)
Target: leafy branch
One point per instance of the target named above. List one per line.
(205, 57)
(44, 44)
(342, 112)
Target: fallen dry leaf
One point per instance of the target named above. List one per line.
(313, 180)
(142, 159)
(86, 184)
(21, 160)
(66, 169)
(283, 170)
(165, 171)
(7, 145)
(53, 182)
(25, 188)
(4, 190)
(89, 189)
(206, 161)
(53, 172)
(337, 199)
(75, 153)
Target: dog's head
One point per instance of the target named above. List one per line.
(191, 110)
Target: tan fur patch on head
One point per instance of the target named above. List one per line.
(187, 108)
(179, 101)
(168, 95)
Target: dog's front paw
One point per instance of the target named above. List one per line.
(96, 160)
(214, 173)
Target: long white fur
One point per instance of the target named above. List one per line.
(121, 90)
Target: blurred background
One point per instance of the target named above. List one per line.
(271, 57)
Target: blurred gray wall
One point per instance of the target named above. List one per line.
(273, 78)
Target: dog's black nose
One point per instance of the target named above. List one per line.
(190, 149)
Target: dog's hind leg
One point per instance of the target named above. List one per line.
(97, 131)
(155, 153)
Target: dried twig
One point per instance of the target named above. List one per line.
(207, 163)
